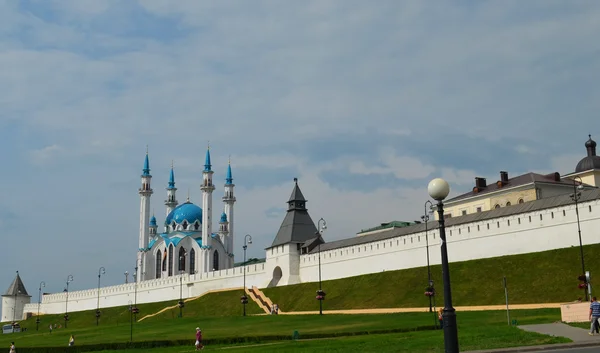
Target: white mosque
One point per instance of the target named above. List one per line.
(187, 243)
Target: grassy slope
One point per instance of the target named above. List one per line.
(544, 277)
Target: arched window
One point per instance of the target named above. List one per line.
(521, 200)
(181, 259)
(192, 261)
(171, 260)
(216, 261)
(164, 260)
(497, 206)
(158, 263)
(185, 225)
(508, 203)
(196, 225)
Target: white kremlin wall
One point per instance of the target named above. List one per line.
(528, 232)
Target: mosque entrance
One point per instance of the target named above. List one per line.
(277, 274)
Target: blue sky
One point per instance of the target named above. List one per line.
(363, 102)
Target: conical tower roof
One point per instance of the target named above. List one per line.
(17, 287)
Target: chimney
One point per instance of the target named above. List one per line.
(504, 177)
(480, 183)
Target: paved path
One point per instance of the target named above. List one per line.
(424, 309)
(576, 334)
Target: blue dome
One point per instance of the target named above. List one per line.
(153, 221)
(223, 217)
(185, 212)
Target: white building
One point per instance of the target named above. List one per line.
(187, 243)
(14, 300)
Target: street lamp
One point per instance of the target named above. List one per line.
(575, 197)
(135, 309)
(101, 271)
(425, 218)
(180, 303)
(439, 189)
(320, 292)
(69, 280)
(126, 277)
(37, 320)
(244, 299)
(130, 321)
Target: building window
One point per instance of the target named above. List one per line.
(497, 206)
(508, 222)
(508, 203)
(196, 225)
(181, 259)
(447, 215)
(464, 212)
(590, 208)
(498, 224)
(478, 209)
(458, 231)
(171, 260)
(193, 261)
(519, 220)
(478, 227)
(552, 214)
(540, 217)
(564, 213)
(468, 229)
(185, 225)
(521, 200)
(488, 226)
(216, 261)
(158, 260)
(529, 219)
(450, 233)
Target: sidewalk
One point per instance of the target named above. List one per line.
(579, 337)
(424, 309)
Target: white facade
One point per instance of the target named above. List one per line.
(547, 229)
(10, 311)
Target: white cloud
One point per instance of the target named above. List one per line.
(46, 154)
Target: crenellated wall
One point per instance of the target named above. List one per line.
(155, 290)
(535, 231)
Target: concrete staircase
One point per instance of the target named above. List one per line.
(261, 299)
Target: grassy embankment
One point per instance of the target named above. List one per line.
(544, 277)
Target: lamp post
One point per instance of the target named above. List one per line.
(69, 280)
(101, 271)
(320, 292)
(180, 303)
(244, 299)
(575, 197)
(37, 320)
(126, 277)
(425, 218)
(130, 321)
(135, 309)
(439, 189)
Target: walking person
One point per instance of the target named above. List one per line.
(72, 341)
(441, 317)
(50, 328)
(199, 345)
(13, 349)
(594, 314)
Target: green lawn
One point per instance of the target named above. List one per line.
(477, 330)
(544, 277)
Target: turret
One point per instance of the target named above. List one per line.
(224, 231)
(14, 300)
(145, 193)
(153, 227)
(171, 201)
(229, 200)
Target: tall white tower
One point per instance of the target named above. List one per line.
(171, 201)
(145, 192)
(207, 190)
(14, 300)
(229, 200)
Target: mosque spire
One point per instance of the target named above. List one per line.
(229, 178)
(207, 165)
(146, 170)
(172, 178)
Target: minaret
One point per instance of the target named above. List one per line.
(171, 201)
(145, 192)
(224, 231)
(207, 190)
(229, 200)
(153, 227)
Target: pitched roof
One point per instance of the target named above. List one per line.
(17, 287)
(529, 178)
(538, 205)
(297, 226)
